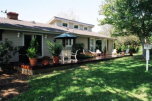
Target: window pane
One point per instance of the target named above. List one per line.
(85, 28)
(65, 24)
(76, 26)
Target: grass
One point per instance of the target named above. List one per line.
(115, 80)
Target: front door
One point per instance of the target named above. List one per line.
(23, 51)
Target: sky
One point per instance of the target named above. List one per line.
(42, 11)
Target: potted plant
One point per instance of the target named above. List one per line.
(32, 52)
(55, 50)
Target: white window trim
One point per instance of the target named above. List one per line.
(84, 28)
(94, 44)
(33, 37)
(66, 23)
(76, 25)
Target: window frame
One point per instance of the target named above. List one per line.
(86, 28)
(77, 27)
(64, 23)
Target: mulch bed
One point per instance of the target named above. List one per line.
(12, 84)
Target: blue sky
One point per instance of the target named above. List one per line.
(43, 10)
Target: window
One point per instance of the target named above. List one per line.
(1, 31)
(65, 24)
(85, 28)
(76, 26)
(92, 44)
(69, 42)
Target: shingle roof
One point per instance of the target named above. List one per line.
(26, 26)
(19, 25)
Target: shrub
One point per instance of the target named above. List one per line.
(6, 51)
(84, 56)
(78, 46)
(54, 48)
(124, 42)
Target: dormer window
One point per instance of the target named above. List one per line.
(65, 25)
(85, 28)
(76, 26)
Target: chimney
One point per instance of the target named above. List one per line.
(12, 15)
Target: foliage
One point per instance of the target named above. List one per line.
(124, 42)
(129, 17)
(54, 48)
(122, 79)
(78, 46)
(6, 51)
(84, 56)
(32, 50)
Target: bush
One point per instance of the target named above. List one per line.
(124, 42)
(6, 51)
(83, 56)
(78, 46)
(54, 48)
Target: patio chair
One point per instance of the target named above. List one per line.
(98, 52)
(74, 55)
(65, 54)
(114, 52)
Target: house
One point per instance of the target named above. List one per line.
(21, 32)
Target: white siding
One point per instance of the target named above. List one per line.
(12, 36)
(83, 40)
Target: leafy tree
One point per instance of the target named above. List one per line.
(129, 17)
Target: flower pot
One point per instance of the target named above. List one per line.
(33, 61)
(55, 59)
(46, 60)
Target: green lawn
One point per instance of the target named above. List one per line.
(121, 79)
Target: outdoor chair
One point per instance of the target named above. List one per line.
(98, 52)
(114, 52)
(74, 55)
(65, 54)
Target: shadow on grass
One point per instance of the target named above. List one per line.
(117, 80)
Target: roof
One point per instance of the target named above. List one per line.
(72, 21)
(19, 25)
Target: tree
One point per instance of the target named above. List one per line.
(129, 17)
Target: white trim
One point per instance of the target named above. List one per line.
(76, 25)
(66, 23)
(94, 44)
(32, 38)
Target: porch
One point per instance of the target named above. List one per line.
(39, 68)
